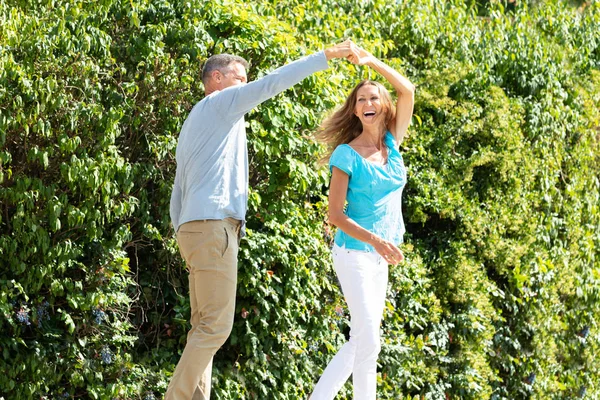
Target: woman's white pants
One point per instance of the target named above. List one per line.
(364, 277)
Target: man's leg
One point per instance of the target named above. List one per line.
(210, 251)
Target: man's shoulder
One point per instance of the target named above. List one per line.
(216, 102)
(211, 99)
(205, 104)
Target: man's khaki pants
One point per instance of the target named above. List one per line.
(209, 249)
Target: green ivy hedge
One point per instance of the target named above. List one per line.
(499, 296)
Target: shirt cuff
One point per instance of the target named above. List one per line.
(323, 63)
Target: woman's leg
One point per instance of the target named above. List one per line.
(367, 328)
(361, 277)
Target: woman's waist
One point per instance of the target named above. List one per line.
(373, 219)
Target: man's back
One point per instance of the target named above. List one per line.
(212, 165)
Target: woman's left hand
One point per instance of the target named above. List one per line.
(388, 251)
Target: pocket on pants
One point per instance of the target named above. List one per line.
(195, 246)
(225, 243)
(337, 251)
(205, 246)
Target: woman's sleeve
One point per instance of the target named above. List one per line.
(343, 159)
(390, 141)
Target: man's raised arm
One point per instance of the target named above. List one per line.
(236, 101)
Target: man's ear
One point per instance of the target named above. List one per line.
(216, 75)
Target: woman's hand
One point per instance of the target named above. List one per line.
(360, 56)
(388, 251)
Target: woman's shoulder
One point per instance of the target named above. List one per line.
(343, 149)
(342, 158)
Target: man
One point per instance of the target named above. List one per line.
(209, 200)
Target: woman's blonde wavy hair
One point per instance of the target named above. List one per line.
(343, 125)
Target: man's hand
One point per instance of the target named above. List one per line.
(345, 49)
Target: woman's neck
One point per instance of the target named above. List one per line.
(372, 136)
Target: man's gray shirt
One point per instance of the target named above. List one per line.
(211, 181)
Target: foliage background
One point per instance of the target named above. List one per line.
(499, 296)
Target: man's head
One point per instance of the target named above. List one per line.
(222, 71)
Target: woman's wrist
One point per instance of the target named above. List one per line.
(374, 240)
(373, 62)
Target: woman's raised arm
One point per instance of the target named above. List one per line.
(405, 91)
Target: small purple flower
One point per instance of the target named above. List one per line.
(149, 396)
(42, 313)
(99, 316)
(23, 316)
(106, 355)
(530, 379)
(584, 332)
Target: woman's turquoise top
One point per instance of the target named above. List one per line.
(374, 194)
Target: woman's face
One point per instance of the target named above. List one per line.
(368, 107)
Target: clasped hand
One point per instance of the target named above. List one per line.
(350, 51)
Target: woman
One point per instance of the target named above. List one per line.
(367, 171)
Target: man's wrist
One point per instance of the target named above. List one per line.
(329, 53)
